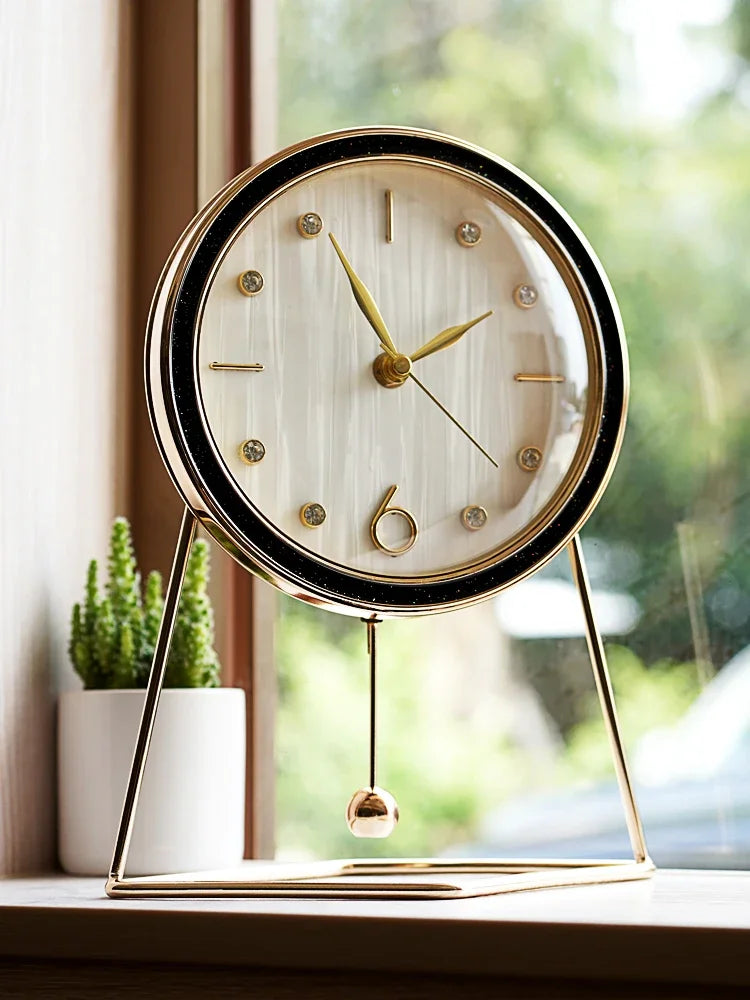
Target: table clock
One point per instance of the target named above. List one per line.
(387, 374)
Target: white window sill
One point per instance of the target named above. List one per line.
(679, 927)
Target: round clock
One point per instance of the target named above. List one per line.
(386, 372)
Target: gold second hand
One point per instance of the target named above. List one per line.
(453, 419)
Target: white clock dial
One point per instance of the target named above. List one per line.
(316, 442)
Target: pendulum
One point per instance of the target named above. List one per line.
(372, 811)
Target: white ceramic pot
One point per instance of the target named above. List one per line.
(192, 804)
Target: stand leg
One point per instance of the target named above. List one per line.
(607, 701)
(155, 681)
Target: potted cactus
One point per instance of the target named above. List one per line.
(191, 810)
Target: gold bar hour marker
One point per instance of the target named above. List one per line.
(218, 366)
(539, 378)
(389, 216)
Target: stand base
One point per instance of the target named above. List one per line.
(409, 878)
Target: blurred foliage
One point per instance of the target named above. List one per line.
(444, 769)
(663, 200)
(646, 698)
(447, 769)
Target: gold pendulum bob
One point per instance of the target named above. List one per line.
(372, 811)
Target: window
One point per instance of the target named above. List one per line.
(634, 116)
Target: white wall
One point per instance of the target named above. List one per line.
(64, 323)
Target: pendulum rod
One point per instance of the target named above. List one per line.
(607, 700)
(372, 811)
(371, 624)
(155, 681)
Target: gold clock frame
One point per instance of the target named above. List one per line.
(404, 878)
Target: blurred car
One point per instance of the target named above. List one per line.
(692, 784)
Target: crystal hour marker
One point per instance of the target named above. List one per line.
(529, 458)
(468, 233)
(473, 518)
(250, 282)
(312, 515)
(309, 225)
(252, 451)
(525, 296)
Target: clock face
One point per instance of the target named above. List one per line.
(477, 437)
(386, 372)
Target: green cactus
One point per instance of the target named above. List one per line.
(153, 606)
(82, 628)
(124, 666)
(104, 644)
(124, 584)
(112, 639)
(79, 647)
(91, 606)
(192, 659)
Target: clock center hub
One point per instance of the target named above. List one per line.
(391, 370)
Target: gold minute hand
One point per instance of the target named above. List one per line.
(447, 338)
(365, 301)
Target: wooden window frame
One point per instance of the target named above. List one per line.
(204, 109)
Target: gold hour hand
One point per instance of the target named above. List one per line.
(365, 301)
(447, 338)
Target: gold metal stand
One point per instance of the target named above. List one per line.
(388, 879)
